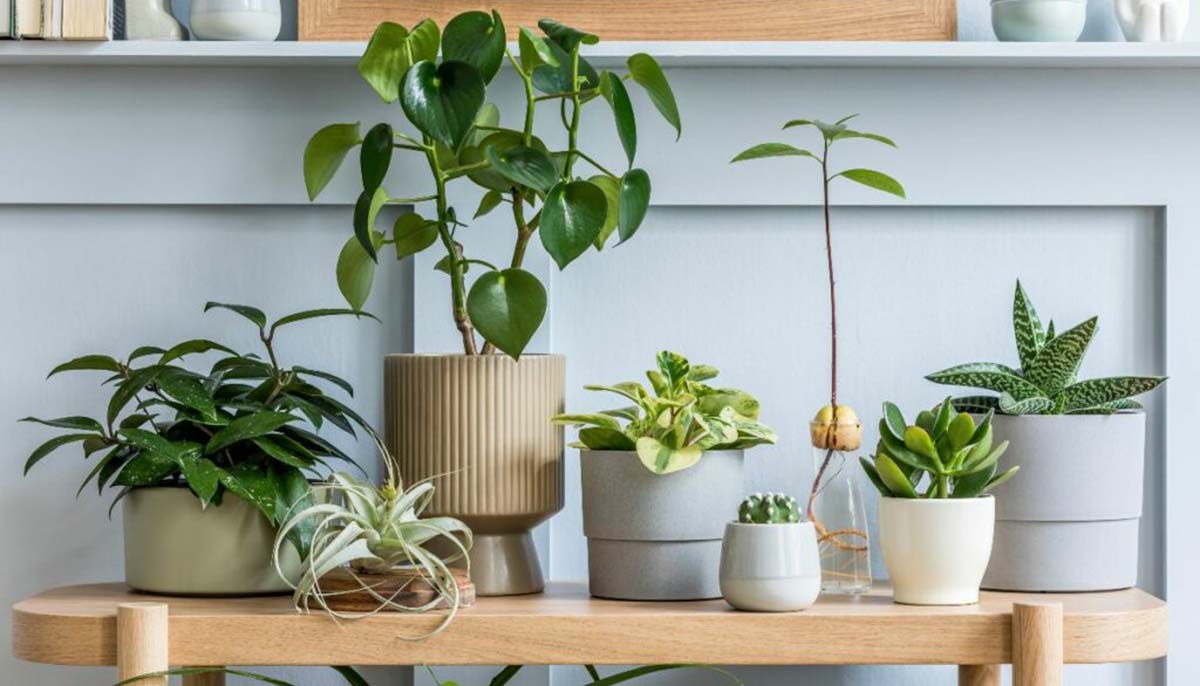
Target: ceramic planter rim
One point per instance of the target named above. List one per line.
(768, 524)
(479, 356)
(1036, 2)
(938, 500)
(1122, 413)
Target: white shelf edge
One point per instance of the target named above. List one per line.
(670, 53)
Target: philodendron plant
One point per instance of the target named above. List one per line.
(947, 455)
(1045, 382)
(247, 426)
(459, 135)
(672, 427)
(769, 508)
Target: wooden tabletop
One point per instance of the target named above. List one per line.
(76, 625)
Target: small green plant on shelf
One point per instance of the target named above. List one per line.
(671, 427)
(459, 135)
(769, 508)
(946, 454)
(375, 530)
(247, 426)
(1045, 382)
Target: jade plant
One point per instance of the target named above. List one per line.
(835, 427)
(247, 426)
(942, 455)
(769, 508)
(1045, 382)
(458, 135)
(671, 427)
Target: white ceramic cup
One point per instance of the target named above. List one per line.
(770, 567)
(936, 550)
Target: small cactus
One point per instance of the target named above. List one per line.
(769, 508)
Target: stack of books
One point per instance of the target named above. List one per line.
(56, 19)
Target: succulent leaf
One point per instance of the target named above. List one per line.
(873, 475)
(1001, 478)
(960, 431)
(897, 483)
(1097, 392)
(1059, 360)
(1034, 405)
(977, 404)
(989, 375)
(1027, 328)
(893, 421)
(769, 508)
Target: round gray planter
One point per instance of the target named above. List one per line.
(1069, 520)
(657, 536)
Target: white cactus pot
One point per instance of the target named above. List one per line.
(936, 550)
(770, 567)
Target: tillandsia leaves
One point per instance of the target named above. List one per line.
(941, 455)
(248, 426)
(676, 420)
(565, 196)
(1045, 382)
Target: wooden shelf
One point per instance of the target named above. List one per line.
(77, 626)
(671, 53)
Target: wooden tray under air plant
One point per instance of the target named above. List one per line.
(406, 587)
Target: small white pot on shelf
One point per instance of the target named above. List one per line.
(770, 567)
(936, 550)
(1056, 21)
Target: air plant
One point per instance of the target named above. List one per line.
(371, 529)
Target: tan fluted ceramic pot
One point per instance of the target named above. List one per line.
(480, 425)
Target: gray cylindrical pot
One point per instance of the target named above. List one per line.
(175, 547)
(657, 536)
(1069, 520)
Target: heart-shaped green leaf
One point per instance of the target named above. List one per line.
(324, 154)
(476, 38)
(661, 459)
(614, 92)
(490, 201)
(392, 50)
(442, 100)
(524, 166)
(612, 193)
(375, 156)
(356, 270)
(534, 51)
(507, 308)
(365, 211)
(566, 37)
(572, 217)
(645, 70)
(413, 233)
(556, 78)
(500, 140)
(600, 438)
(635, 201)
(873, 179)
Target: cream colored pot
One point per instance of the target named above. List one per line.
(936, 550)
(479, 425)
(175, 547)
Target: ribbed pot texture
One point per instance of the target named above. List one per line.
(480, 426)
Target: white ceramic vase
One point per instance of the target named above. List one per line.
(1055, 21)
(936, 550)
(1152, 21)
(770, 567)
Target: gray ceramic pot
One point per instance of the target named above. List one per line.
(1069, 520)
(175, 547)
(657, 536)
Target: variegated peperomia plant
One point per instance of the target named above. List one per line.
(1045, 382)
(671, 428)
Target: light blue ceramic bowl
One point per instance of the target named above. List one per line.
(1039, 20)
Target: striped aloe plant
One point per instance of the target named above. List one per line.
(1045, 382)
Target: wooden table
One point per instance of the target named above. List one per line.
(106, 624)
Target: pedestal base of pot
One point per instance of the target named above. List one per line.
(654, 570)
(1064, 556)
(506, 564)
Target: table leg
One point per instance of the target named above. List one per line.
(209, 679)
(979, 675)
(142, 642)
(1037, 644)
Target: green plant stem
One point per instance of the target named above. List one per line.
(596, 164)
(573, 128)
(833, 377)
(458, 290)
(587, 92)
(455, 172)
(409, 201)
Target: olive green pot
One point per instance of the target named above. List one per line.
(175, 547)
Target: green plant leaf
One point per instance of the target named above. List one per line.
(994, 377)
(596, 419)
(1027, 328)
(566, 37)
(202, 476)
(763, 150)
(145, 469)
(941, 421)
(524, 166)
(507, 308)
(375, 156)
(442, 100)
(247, 427)
(793, 123)
(614, 92)
(144, 350)
(603, 438)
(252, 313)
(52, 445)
(554, 79)
(971, 485)
(195, 346)
(129, 388)
(534, 51)
(488, 177)
(253, 484)
(661, 459)
(100, 363)
(490, 201)
(1032, 405)
(392, 50)
(365, 210)
(319, 313)
(1110, 407)
(187, 389)
(645, 71)
(873, 179)
(572, 218)
(633, 203)
(1001, 478)
(476, 38)
(324, 154)
(976, 404)
(413, 233)
(960, 430)
(847, 133)
(76, 422)
(356, 270)
(890, 474)
(873, 475)
(893, 421)
(917, 440)
(1059, 360)
(1099, 392)
(612, 193)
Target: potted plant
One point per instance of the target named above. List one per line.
(769, 557)
(207, 463)
(652, 508)
(1050, 534)
(935, 517)
(444, 410)
(835, 505)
